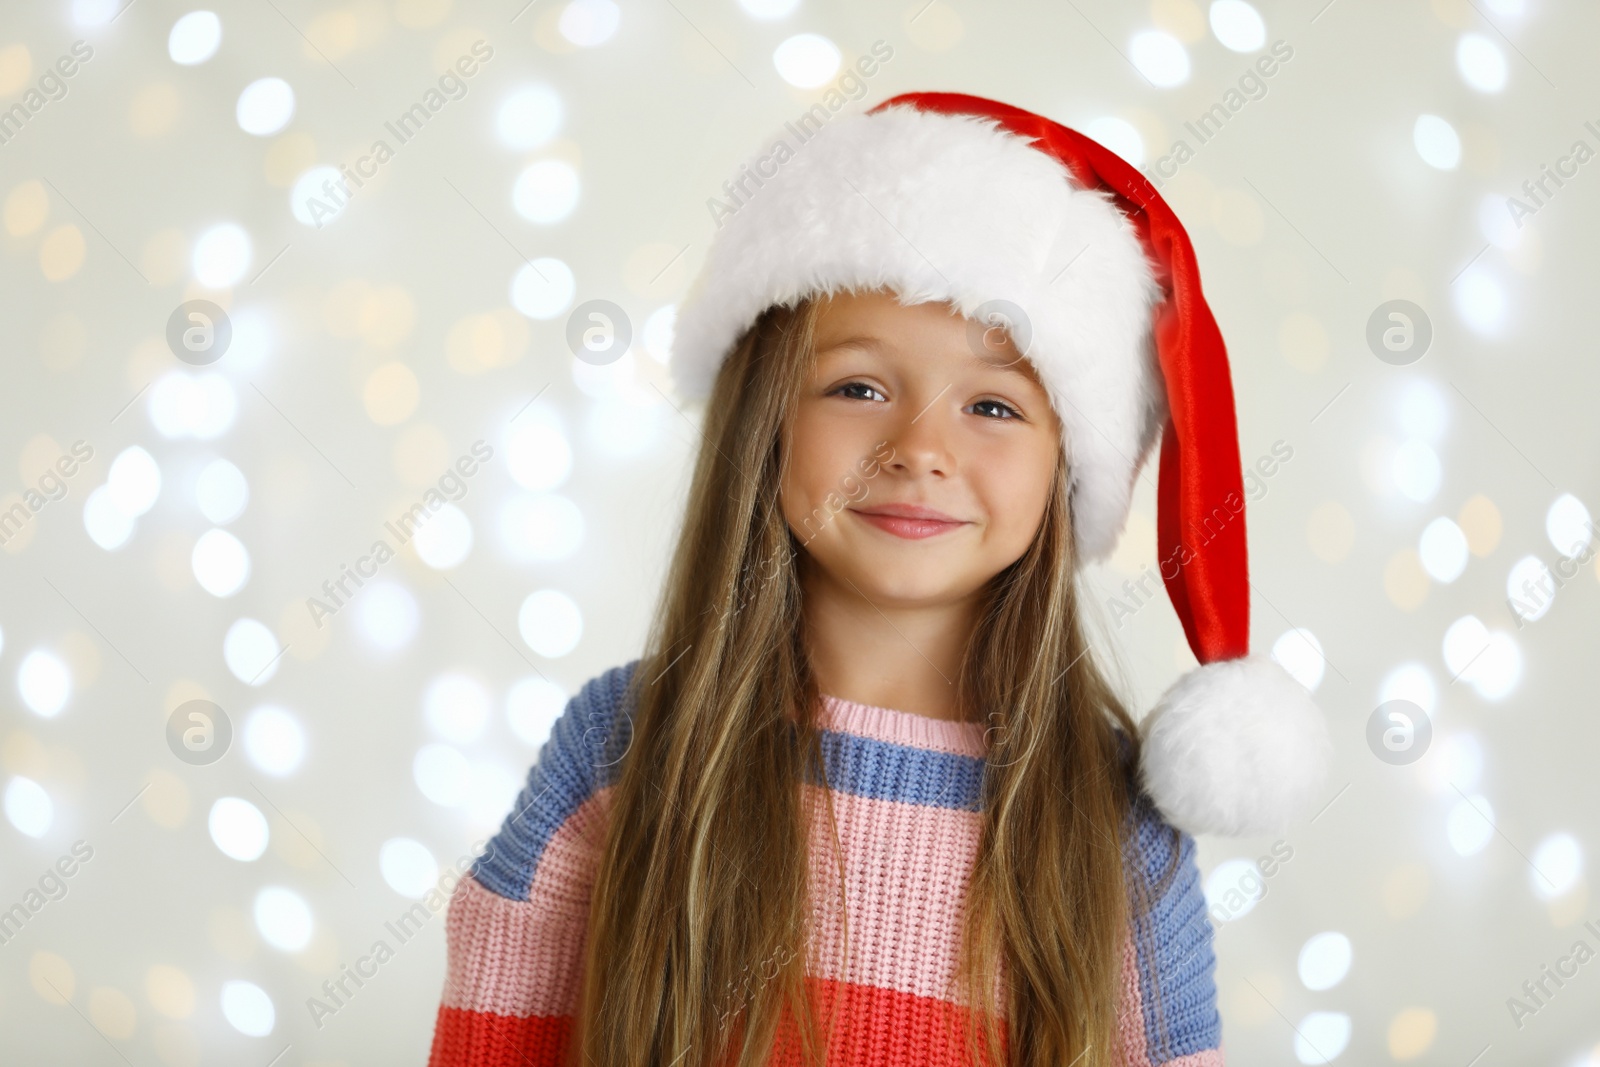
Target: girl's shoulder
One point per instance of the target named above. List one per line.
(579, 758)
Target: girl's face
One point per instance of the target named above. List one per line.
(921, 452)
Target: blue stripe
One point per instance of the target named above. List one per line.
(582, 755)
(867, 767)
(1186, 1020)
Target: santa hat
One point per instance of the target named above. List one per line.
(955, 198)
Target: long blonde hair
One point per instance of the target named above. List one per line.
(697, 936)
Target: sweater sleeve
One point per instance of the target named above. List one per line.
(1170, 992)
(516, 924)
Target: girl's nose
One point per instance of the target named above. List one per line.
(922, 438)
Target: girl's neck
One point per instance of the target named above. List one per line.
(885, 655)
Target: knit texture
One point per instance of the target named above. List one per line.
(907, 796)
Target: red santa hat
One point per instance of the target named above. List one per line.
(955, 198)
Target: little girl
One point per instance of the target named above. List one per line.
(866, 799)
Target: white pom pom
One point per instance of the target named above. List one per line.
(1235, 748)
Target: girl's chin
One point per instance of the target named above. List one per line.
(927, 584)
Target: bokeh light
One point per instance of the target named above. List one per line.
(1238, 25)
(543, 288)
(1569, 526)
(1437, 142)
(1470, 825)
(221, 256)
(1409, 681)
(1530, 588)
(194, 38)
(1321, 1036)
(221, 492)
(408, 867)
(1324, 960)
(1557, 866)
(1160, 57)
(248, 1008)
(445, 540)
(201, 405)
(1416, 471)
(589, 23)
(387, 616)
(540, 527)
(221, 563)
(807, 60)
(457, 707)
(238, 829)
(1119, 135)
(28, 806)
(251, 651)
(443, 774)
(1300, 653)
(537, 454)
(1481, 63)
(532, 706)
(265, 106)
(44, 682)
(283, 918)
(546, 192)
(1443, 550)
(550, 623)
(528, 117)
(274, 740)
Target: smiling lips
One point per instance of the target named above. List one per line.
(910, 521)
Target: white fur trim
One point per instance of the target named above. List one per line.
(1236, 748)
(954, 208)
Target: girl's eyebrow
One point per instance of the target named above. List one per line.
(1005, 363)
(867, 341)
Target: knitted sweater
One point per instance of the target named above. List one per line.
(907, 796)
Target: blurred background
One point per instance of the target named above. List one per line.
(245, 345)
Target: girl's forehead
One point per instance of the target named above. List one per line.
(876, 321)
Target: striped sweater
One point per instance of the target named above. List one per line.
(907, 796)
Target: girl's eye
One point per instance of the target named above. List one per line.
(858, 386)
(1010, 412)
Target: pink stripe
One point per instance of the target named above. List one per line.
(903, 727)
(904, 929)
(1130, 1021)
(525, 957)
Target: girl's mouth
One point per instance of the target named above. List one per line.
(912, 523)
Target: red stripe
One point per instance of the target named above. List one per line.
(870, 1028)
(481, 1039)
(874, 1027)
